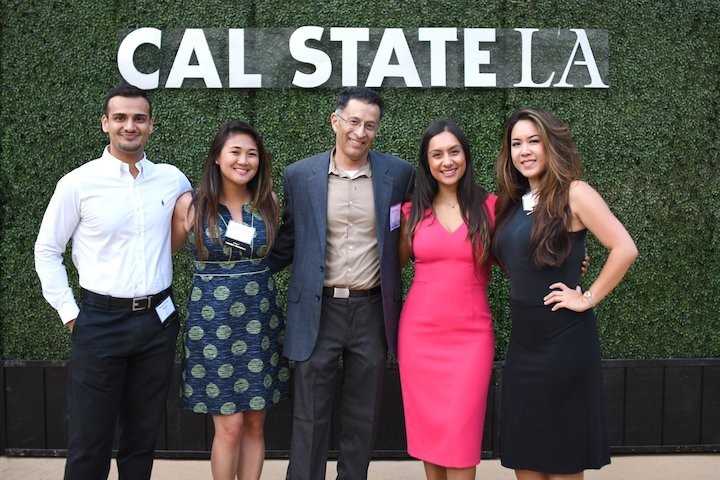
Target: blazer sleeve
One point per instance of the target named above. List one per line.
(281, 254)
(410, 187)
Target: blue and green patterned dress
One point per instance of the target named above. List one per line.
(234, 331)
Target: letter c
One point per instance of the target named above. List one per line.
(126, 53)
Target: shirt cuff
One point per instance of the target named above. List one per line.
(68, 311)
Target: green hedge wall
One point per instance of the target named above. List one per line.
(649, 142)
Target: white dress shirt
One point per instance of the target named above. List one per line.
(120, 230)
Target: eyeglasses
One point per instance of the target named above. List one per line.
(355, 123)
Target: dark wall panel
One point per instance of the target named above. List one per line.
(682, 405)
(711, 406)
(614, 381)
(643, 406)
(25, 404)
(3, 430)
(653, 406)
(277, 429)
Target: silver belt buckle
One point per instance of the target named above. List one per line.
(137, 304)
(341, 292)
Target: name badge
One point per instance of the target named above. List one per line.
(395, 217)
(529, 201)
(165, 309)
(239, 236)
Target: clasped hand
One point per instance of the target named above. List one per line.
(563, 296)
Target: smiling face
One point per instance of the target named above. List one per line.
(239, 159)
(353, 138)
(128, 124)
(527, 151)
(446, 159)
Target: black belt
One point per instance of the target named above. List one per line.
(134, 304)
(342, 292)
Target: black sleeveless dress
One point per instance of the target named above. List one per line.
(553, 411)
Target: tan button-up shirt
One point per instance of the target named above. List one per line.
(352, 259)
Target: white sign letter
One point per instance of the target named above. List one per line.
(302, 53)
(237, 78)
(589, 62)
(193, 41)
(126, 53)
(437, 38)
(393, 40)
(349, 38)
(474, 57)
(526, 78)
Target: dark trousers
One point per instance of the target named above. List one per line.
(354, 329)
(119, 372)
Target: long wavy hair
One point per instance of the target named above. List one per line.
(550, 242)
(471, 196)
(207, 196)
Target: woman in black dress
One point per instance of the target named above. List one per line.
(553, 411)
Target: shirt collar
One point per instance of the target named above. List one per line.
(365, 170)
(119, 168)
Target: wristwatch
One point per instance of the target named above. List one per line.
(587, 295)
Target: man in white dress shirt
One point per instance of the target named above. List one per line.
(117, 210)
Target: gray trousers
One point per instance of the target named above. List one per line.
(353, 329)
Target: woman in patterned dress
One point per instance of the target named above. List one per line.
(233, 368)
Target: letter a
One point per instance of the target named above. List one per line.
(589, 62)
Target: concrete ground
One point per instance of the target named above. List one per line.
(626, 467)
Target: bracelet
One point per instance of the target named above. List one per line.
(587, 295)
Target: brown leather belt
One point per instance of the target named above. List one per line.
(342, 292)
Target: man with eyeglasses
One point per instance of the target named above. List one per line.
(340, 231)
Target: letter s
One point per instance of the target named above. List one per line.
(302, 53)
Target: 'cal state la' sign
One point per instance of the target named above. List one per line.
(314, 57)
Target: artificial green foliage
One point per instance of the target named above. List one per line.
(649, 142)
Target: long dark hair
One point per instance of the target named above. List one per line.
(471, 196)
(550, 242)
(207, 197)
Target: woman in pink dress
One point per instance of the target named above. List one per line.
(445, 341)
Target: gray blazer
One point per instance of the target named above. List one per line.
(302, 240)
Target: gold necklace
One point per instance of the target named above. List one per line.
(447, 204)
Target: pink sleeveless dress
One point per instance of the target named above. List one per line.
(445, 347)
